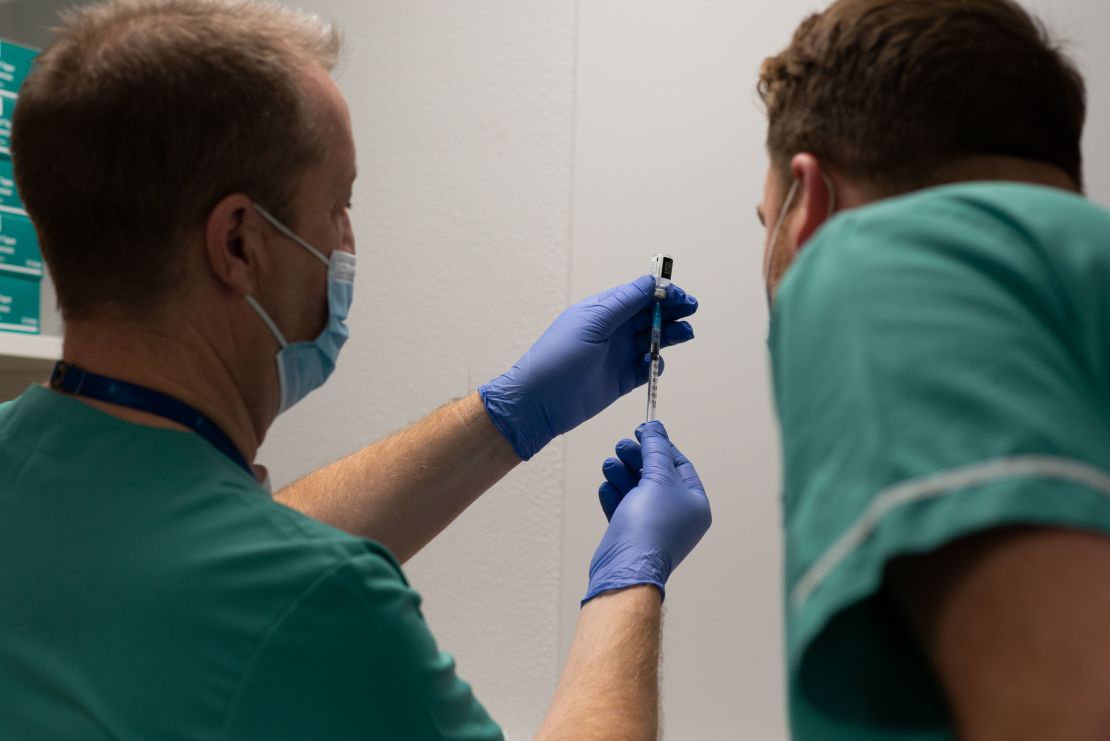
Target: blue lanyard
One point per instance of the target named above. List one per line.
(80, 382)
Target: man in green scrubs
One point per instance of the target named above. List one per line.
(940, 337)
(189, 165)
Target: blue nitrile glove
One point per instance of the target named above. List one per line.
(592, 354)
(656, 516)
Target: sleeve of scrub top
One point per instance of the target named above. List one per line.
(935, 376)
(353, 659)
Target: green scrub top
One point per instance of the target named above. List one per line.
(151, 589)
(941, 366)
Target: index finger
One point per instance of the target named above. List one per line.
(677, 305)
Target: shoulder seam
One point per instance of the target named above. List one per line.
(935, 486)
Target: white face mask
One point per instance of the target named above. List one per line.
(303, 367)
(769, 251)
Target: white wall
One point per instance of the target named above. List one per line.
(29, 21)
(669, 159)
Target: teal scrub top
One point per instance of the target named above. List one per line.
(941, 366)
(151, 589)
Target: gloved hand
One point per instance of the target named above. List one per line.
(656, 515)
(592, 354)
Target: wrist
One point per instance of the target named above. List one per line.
(648, 596)
(505, 404)
(472, 414)
(602, 590)
(616, 569)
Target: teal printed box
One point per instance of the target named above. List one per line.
(19, 246)
(9, 199)
(15, 63)
(19, 303)
(7, 108)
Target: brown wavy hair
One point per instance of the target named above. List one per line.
(892, 91)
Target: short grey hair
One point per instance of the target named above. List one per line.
(164, 107)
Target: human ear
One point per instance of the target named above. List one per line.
(816, 197)
(232, 242)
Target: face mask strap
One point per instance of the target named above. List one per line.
(304, 366)
(832, 194)
(267, 320)
(786, 204)
(782, 219)
(286, 231)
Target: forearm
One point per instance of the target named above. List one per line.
(404, 490)
(610, 686)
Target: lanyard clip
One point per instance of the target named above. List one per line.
(67, 378)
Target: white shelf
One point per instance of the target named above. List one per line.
(25, 359)
(28, 349)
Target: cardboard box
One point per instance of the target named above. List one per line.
(10, 202)
(19, 246)
(7, 110)
(19, 303)
(15, 63)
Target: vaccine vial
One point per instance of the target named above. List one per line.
(661, 267)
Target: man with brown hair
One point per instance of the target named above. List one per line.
(942, 376)
(204, 264)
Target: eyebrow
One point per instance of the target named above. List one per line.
(759, 214)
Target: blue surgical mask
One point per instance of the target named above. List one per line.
(303, 367)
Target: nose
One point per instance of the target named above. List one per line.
(348, 234)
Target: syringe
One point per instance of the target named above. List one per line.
(661, 266)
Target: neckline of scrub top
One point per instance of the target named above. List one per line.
(39, 394)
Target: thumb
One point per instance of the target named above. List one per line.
(624, 302)
(656, 448)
